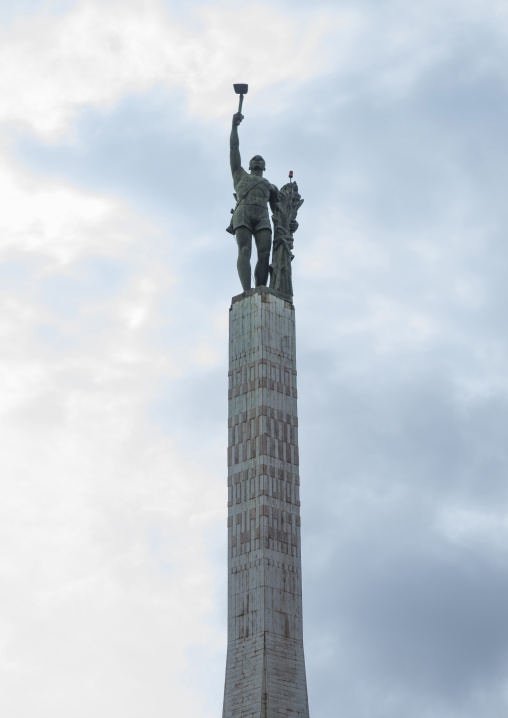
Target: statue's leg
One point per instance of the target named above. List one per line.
(264, 244)
(244, 241)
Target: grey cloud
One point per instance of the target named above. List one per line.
(396, 428)
(11, 11)
(427, 630)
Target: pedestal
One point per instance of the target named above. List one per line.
(265, 668)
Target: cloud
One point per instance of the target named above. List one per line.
(104, 515)
(116, 283)
(57, 220)
(96, 52)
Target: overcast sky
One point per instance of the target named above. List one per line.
(115, 283)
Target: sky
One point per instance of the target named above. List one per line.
(116, 277)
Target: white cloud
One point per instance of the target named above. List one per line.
(104, 520)
(99, 51)
(107, 581)
(52, 218)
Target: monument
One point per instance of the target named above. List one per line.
(265, 667)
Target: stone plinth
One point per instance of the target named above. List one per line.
(265, 669)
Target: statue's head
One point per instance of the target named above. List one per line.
(257, 163)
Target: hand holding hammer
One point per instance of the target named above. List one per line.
(240, 89)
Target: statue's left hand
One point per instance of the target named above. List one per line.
(293, 226)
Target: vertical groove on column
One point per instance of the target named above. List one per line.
(265, 667)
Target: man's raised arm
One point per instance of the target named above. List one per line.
(236, 162)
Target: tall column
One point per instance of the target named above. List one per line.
(265, 668)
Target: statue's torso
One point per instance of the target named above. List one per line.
(251, 189)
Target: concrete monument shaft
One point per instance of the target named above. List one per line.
(265, 669)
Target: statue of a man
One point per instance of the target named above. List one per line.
(250, 217)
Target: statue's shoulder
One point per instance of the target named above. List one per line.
(241, 175)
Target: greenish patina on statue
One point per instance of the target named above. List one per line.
(284, 225)
(250, 218)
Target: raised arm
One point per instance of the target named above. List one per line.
(236, 162)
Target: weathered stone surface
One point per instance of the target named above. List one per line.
(265, 669)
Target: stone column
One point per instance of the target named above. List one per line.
(265, 668)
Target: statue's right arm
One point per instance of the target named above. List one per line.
(234, 144)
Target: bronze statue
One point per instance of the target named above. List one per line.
(250, 217)
(284, 225)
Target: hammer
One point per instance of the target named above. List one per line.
(241, 90)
